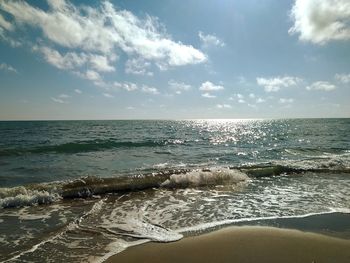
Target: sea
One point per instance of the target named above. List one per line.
(81, 191)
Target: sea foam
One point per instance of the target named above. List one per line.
(206, 177)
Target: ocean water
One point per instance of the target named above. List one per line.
(80, 191)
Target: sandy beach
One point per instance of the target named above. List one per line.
(243, 244)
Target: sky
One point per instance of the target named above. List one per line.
(170, 59)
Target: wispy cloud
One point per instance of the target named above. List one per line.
(138, 66)
(210, 40)
(320, 21)
(209, 86)
(58, 100)
(149, 90)
(102, 63)
(223, 106)
(128, 86)
(343, 78)
(64, 96)
(240, 96)
(178, 87)
(276, 83)
(90, 75)
(76, 60)
(208, 95)
(286, 100)
(260, 100)
(321, 85)
(107, 95)
(67, 61)
(5, 24)
(242, 80)
(78, 91)
(15, 43)
(6, 67)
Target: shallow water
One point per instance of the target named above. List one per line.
(76, 191)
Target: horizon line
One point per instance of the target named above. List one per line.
(174, 119)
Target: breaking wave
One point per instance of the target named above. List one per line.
(205, 177)
(46, 193)
(339, 163)
(89, 186)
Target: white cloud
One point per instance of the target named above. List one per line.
(252, 95)
(108, 86)
(320, 21)
(321, 85)
(101, 63)
(343, 78)
(150, 90)
(210, 40)
(67, 61)
(240, 96)
(208, 95)
(178, 87)
(260, 100)
(58, 100)
(138, 66)
(208, 86)
(64, 96)
(223, 106)
(130, 108)
(6, 67)
(128, 86)
(78, 91)
(104, 30)
(107, 95)
(91, 75)
(9, 40)
(241, 101)
(276, 83)
(75, 60)
(5, 24)
(285, 101)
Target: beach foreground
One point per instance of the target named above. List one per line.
(243, 244)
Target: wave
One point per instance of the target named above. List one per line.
(205, 177)
(86, 146)
(274, 170)
(84, 187)
(337, 163)
(45, 193)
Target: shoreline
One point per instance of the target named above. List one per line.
(242, 244)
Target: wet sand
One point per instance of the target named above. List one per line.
(243, 244)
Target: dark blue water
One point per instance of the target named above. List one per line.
(83, 190)
(33, 152)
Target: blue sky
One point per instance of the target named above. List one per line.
(164, 59)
